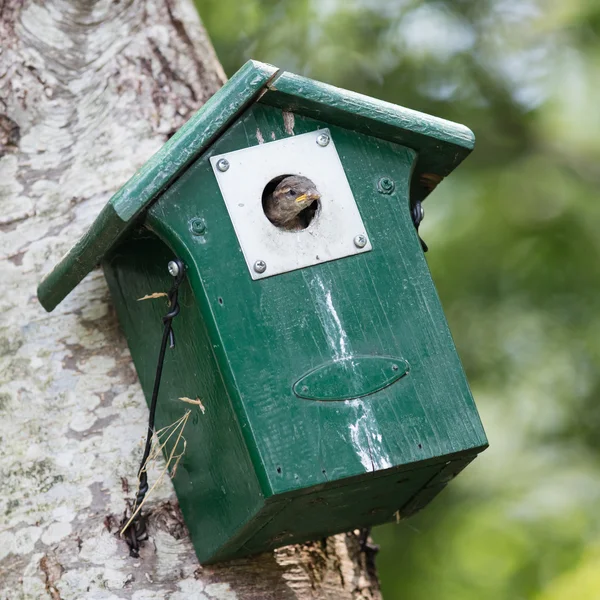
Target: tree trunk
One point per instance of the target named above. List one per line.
(88, 91)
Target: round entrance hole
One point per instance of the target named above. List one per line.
(291, 202)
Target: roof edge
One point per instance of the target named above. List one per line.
(154, 176)
(370, 108)
(442, 145)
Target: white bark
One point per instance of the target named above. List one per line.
(88, 91)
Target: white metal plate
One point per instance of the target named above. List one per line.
(331, 233)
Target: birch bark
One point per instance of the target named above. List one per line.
(88, 91)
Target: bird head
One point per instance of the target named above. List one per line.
(295, 193)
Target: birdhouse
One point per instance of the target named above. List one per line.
(309, 325)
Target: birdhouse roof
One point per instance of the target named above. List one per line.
(440, 144)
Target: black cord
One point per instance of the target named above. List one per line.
(369, 549)
(136, 530)
(417, 215)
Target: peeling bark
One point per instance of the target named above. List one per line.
(88, 91)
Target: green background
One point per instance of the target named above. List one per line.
(514, 251)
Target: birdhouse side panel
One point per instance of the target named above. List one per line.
(214, 477)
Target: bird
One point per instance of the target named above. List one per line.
(293, 203)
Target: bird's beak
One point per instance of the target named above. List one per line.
(308, 196)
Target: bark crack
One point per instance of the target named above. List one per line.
(10, 133)
(52, 571)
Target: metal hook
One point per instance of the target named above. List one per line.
(418, 214)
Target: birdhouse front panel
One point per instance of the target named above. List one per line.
(310, 329)
(342, 376)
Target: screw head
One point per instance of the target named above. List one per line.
(223, 164)
(198, 226)
(260, 266)
(323, 139)
(386, 185)
(173, 268)
(360, 241)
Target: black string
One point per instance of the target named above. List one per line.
(136, 531)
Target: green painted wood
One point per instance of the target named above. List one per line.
(314, 467)
(225, 511)
(441, 145)
(350, 378)
(138, 193)
(385, 299)
(368, 501)
(223, 506)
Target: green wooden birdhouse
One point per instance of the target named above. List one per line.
(334, 397)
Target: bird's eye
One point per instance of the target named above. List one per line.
(292, 193)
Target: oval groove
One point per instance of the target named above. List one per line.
(350, 378)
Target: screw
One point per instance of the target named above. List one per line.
(394, 367)
(386, 185)
(173, 268)
(323, 139)
(223, 164)
(360, 241)
(260, 266)
(198, 226)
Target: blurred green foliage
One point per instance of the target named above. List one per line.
(515, 253)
